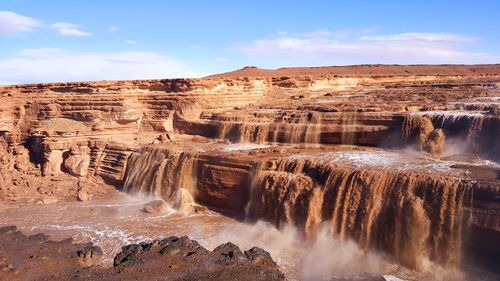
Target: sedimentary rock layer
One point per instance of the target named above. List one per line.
(398, 158)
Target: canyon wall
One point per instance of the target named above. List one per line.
(402, 162)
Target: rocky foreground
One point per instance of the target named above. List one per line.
(174, 258)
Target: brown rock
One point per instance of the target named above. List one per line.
(164, 137)
(49, 200)
(155, 206)
(77, 165)
(83, 196)
(53, 162)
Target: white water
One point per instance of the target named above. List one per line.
(243, 146)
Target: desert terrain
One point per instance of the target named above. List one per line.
(366, 172)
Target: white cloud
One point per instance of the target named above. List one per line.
(11, 23)
(325, 33)
(43, 53)
(113, 29)
(69, 29)
(52, 65)
(444, 37)
(132, 42)
(325, 47)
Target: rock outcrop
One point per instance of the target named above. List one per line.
(174, 258)
(77, 163)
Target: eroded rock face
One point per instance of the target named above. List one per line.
(300, 146)
(78, 161)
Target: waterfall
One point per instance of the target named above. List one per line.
(412, 216)
(303, 129)
(465, 126)
(349, 121)
(161, 172)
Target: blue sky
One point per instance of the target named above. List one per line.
(44, 41)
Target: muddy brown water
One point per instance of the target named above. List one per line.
(119, 221)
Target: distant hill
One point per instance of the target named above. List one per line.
(365, 70)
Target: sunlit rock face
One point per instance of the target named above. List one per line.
(400, 159)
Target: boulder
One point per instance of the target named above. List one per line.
(258, 255)
(83, 196)
(155, 207)
(229, 251)
(78, 161)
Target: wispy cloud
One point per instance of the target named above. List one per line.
(132, 42)
(69, 29)
(420, 36)
(50, 65)
(349, 47)
(11, 23)
(113, 29)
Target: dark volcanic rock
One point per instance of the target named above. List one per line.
(229, 251)
(174, 258)
(35, 257)
(180, 258)
(89, 255)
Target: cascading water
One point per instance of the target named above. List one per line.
(475, 133)
(301, 129)
(349, 121)
(161, 172)
(412, 216)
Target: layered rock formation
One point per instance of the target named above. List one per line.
(399, 158)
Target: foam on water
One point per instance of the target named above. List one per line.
(489, 98)
(452, 114)
(244, 146)
(391, 278)
(394, 161)
(110, 239)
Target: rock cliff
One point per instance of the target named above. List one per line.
(402, 159)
